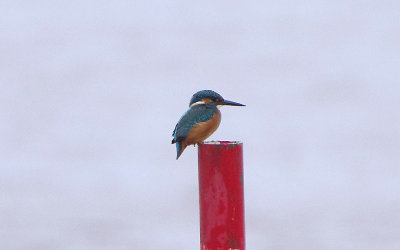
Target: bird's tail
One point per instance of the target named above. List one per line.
(179, 149)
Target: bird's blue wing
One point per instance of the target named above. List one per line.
(196, 114)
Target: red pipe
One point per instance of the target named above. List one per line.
(221, 196)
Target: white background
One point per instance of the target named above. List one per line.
(91, 91)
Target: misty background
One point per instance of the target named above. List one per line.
(91, 91)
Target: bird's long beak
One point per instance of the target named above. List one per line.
(230, 103)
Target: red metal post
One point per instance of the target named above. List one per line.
(221, 196)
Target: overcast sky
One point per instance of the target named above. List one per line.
(91, 91)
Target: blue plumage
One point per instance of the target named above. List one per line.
(195, 114)
(208, 94)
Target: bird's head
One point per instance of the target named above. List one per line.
(209, 96)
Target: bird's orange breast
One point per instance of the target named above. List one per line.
(203, 130)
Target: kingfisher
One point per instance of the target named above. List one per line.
(200, 120)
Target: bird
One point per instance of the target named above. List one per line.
(200, 120)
